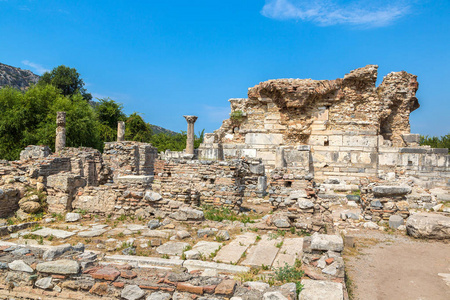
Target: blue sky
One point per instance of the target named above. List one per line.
(166, 59)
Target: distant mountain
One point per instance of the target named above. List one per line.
(158, 129)
(16, 77)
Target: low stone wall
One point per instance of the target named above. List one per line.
(128, 196)
(382, 201)
(430, 166)
(129, 158)
(201, 182)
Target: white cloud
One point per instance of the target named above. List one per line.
(37, 67)
(370, 13)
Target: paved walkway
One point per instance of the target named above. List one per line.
(247, 249)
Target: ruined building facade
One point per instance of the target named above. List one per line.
(345, 128)
(297, 145)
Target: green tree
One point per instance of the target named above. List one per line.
(175, 142)
(67, 80)
(109, 113)
(30, 119)
(137, 130)
(436, 142)
(82, 126)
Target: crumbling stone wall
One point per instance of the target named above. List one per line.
(430, 167)
(33, 152)
(204, 182)
(126, 196)
(379, 202)
(354, 128)
(129, 158)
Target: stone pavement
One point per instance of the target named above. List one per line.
(264, 252)
(247, 249)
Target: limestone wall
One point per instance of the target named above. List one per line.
(353, 128)
(204, 182)
(129, 158)
(430, 166)
(125, 196)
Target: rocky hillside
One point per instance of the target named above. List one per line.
(16, 77)
(158, 129)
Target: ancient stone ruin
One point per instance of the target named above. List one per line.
(301, 157)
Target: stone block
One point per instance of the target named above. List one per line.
(249, 153)
(411, 139)
(135, 179)
(386, 191)
(319, 290)
(335, 140)
(65, 182)
(325, 242)
(395, 221)
(388, 158)
(263, 138)
(318, 140)
(360, 140)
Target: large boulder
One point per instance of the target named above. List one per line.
(429, 226)
(30, 207)
(32, 198)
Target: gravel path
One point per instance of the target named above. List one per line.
(398, 267)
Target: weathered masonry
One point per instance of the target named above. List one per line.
(297, 145)
(345, 128)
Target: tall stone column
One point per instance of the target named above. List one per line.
(60, 141)
(120, 131)
(190, 134)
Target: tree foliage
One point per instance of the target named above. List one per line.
(137, 130)
(109, 113)
(175, 142)
(436, 142)
(29, 118)
(67, 80)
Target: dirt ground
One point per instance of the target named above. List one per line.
(386, 266)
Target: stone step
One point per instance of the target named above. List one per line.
(291, 249)
(156, 262)
(232, 252)
(219, 267)
(263, 253)
(143, 261)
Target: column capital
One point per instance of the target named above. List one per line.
(191, 119)
(61, 118)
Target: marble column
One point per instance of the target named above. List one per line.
(60, 141)
(190, 134)
(120, 131)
